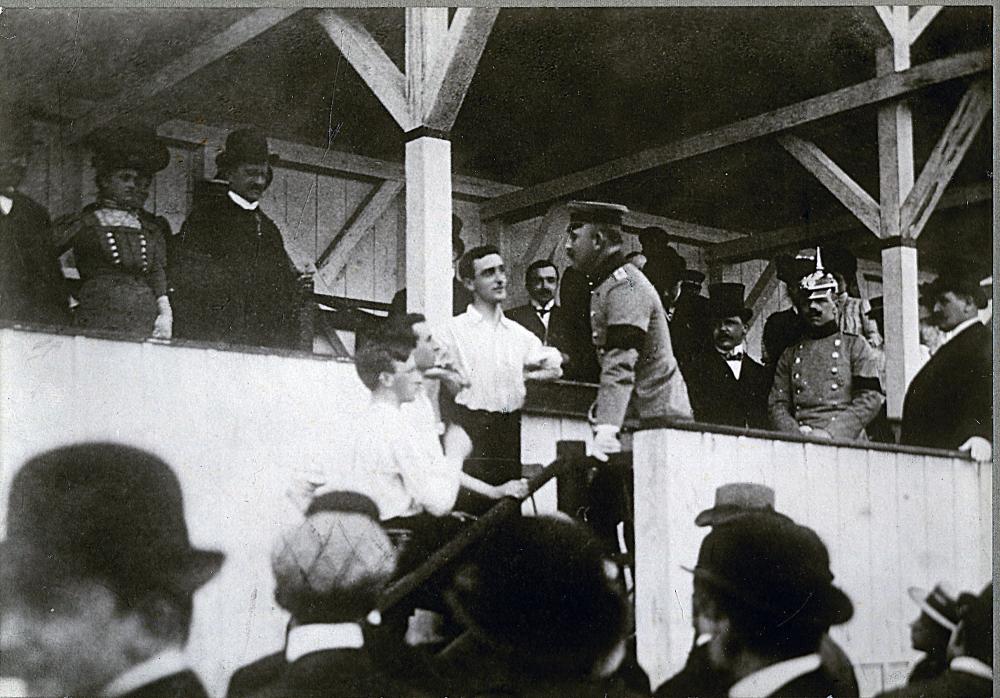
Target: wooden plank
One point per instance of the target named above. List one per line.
(369, 60)
(426, 37)
(831, 176)
(919, 21)
(452, 73)
(634, 221)
(862, 94)
(769, 243)
(888, 21)
(142, 89)
(945, 158)
(336, 255)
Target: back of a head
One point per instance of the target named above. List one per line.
(377, 357)
(976, 628)
(331, 567)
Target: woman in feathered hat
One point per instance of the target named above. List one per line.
(120, 248)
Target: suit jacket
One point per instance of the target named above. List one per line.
(781, 330)
(551, 336)
(951, 398)
(184, 684)
(574, 300)
(461, 297)
(690, 332)
(256, 675)
(31, 283)
(816, 684)
(717, 397)
(950, 684)
(339, 673)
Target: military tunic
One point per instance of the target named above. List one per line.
(639, 373)
(829, 382)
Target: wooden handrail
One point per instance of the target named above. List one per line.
(487, 523)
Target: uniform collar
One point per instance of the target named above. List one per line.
(766, 681)
(971, 665)
(606, 268)
(162, 664)
(317, 637)
(241, 202)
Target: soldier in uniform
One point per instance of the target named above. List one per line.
(826, 384)
(639, 374)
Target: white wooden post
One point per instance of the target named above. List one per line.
(902, 337)
(428, 228)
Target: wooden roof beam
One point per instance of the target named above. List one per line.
(945, 158)
(838, 182)
(364, 54)
(634, 221)
(767, 244)
(920, 20)
(223, 43)
(862, 94)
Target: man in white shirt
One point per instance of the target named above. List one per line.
(498, 356)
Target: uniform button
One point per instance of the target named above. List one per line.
(801, 347)
(836, 342)
(833, 370)
(797, 375)
(798, 359)
(594, 335)
(798, 390)
(834, 386)
(835, 354)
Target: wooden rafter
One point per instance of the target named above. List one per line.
(872, 91)
(766, 244)
(831, 176)
(455, 65)
(885, 14)
(945, 158)
(547, 237)
(364, 54)
(920, 20)
(146, 87)
(634, 221)
(337, 253)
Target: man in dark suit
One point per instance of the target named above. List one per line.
(949, 403)
(31, 284)
(726, 386)
(461, 297)
(99, 575)
(540, 314)
(690, 330)
(765, 593)
(783, 328)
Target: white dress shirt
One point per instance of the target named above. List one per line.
(971, 665)
(736, 364)
(6, 204)
(492, 352)
(317, 637)
(241, 202)
(166, 663)
(547, 308)
(766, 681)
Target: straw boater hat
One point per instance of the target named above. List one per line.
(737, 499)
(102, 512)
(939, 604)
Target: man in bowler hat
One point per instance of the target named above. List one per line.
(726, 385)
(234, 281)
(98, 575)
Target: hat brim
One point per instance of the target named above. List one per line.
(721, 514)
(919, 596)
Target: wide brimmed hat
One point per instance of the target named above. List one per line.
(736, 499)
(541, 589)
(128, 148)
(245, 146)
(776, 568)
(104, 512)
(939, 604)
(726, 300)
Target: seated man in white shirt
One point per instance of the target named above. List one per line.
(498, 356)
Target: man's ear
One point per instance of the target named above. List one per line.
(469, 285)
(385, 379)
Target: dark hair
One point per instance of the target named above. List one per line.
(399, 329)
(379, 357)
(960, 284)
(540, 264)
(467, 265)
(976, 626)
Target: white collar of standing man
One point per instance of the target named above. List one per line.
(241, 202)
(6, 204)
(957, 330)
(317, 637)
(539, 307)
(495, 316)
(766, 681)
(162, 664)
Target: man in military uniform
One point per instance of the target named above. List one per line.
(639, 374)
(825, 385)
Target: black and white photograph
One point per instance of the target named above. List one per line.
(497, 351)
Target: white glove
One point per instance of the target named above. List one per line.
(163, 326)
(605, 442)
(979, 448)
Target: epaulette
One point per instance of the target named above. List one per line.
(620, 274)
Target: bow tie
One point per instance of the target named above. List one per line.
(733, 356)
(543, 311)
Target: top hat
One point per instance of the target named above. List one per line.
(736, 499)
(245, 146)
(726, 300)
(103, 512)
(777, 569)
(692, 276)
(332, 566)
(939, 604)
(819, 283)
(128, 148)
(541, 589)
(596, 212)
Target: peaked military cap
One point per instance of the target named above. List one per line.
(596, 212)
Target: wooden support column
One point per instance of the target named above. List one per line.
(428, 228)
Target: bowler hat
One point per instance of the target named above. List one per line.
(541, 589)
(776, 568)
(939, 604)
(105, 512)
(245, 146)
(736, 499)
(726, 300)
(596, 212)
(128, 148)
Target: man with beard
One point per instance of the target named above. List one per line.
(541, 316)
(826, 384)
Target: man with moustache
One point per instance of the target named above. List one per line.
(826, 384)
(540, 314)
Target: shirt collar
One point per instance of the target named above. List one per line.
(538, 306)
(766, 681)
(478, 317)
(740, 349)
(166, 663)
(971, 665)
(316, 637)
(606, 268)
(241, 202)
(957, 330)
(6, 204)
